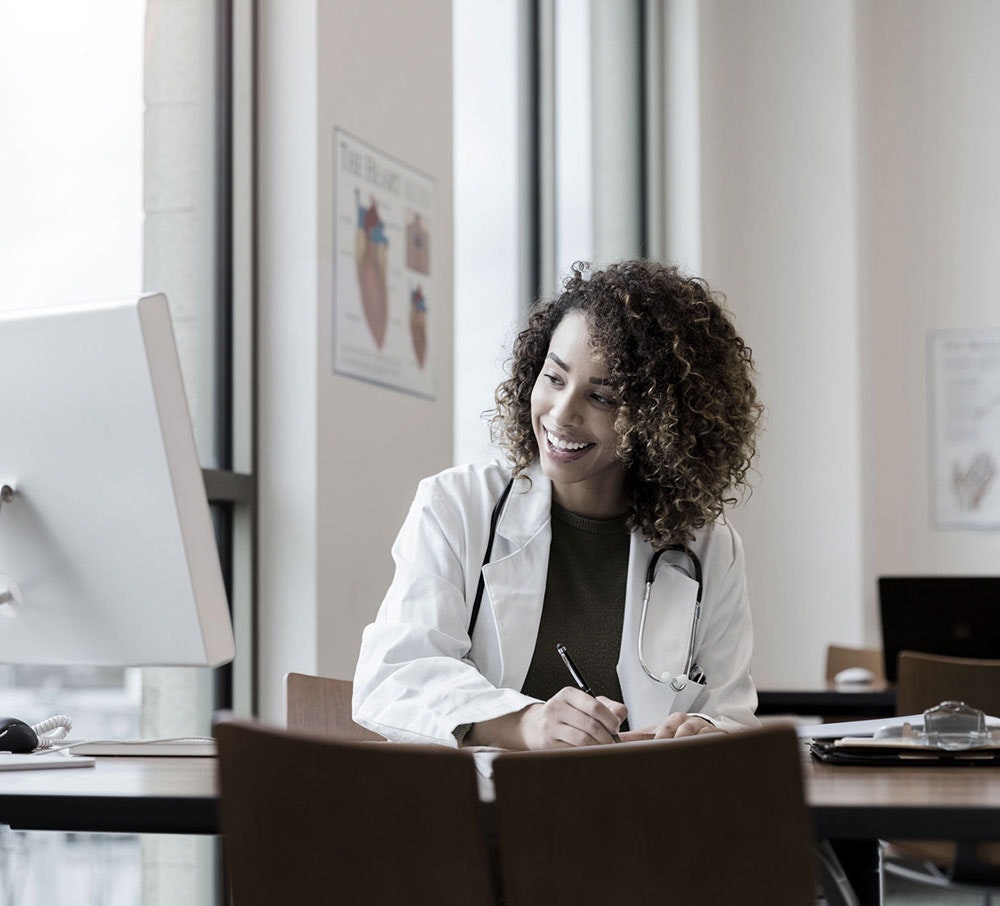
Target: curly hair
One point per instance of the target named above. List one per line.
(689, 412)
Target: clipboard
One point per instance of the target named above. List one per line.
(901, 753)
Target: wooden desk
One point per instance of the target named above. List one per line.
(117, 795)
(179, 795)
(854, 806)
(829, 701)
(869, 802)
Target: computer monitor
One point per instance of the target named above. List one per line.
(107, 551)
(958, 616)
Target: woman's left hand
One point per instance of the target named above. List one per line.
(676, 725)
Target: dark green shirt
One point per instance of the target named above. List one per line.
(584, 605)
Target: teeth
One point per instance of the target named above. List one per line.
(567, 445)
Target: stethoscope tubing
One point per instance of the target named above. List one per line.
(650, 576)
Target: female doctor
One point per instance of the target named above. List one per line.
(628, 420)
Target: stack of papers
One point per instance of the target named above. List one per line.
(896, 743)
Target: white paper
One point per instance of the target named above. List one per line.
(866, 727)
(29, 762)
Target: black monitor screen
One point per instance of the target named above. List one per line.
(957, 616)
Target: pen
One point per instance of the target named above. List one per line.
(578, 677)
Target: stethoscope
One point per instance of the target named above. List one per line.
(692, 672)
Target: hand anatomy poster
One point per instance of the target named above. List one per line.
(384, 298)
(964, 382)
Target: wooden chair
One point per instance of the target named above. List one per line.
(313, 820)
(840, 657)
(923, 681)
(321, 705)
(712, 820)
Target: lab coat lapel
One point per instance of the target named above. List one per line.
(515, 577)
(665, 640)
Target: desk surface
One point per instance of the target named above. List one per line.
(864, 802)
(179, 795)
(117, 795)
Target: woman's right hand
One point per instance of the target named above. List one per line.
(570, 718)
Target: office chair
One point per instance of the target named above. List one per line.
(923, 681)
(312, 820)
(321, 705)
(839, 657)
(711, 820)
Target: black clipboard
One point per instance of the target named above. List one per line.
(837, 751)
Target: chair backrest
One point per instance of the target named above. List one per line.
(839, 657)
(322, 705)
(714, 819)
(313, 820)
(925, 680)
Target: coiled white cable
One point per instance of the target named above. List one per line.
(52, 730)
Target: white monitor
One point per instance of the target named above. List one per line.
(107, 551)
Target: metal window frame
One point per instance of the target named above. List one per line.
(231, 486)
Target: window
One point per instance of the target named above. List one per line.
(117, 180)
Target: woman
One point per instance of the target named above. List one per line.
(628, 421)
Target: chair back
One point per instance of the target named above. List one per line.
(840, 657)
(313, 820)
(322, 705)
(925, 680)
(711, 820)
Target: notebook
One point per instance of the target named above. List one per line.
(957, 616)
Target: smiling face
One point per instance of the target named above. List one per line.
(573, 411)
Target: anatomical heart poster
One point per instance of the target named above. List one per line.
(384, 290)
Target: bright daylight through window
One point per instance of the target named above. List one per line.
(110, 161)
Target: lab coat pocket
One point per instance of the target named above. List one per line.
(686, 694)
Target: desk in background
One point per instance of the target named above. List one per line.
(149, 795)
(866, 801)
(829, 701)
(854, 806)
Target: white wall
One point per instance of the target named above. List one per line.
(339, 459)
(930, 132)
(287, 349)
(850, 200)
(778, 238)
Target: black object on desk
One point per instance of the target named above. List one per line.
(827, 751)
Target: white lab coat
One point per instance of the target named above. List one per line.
(417, 679)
